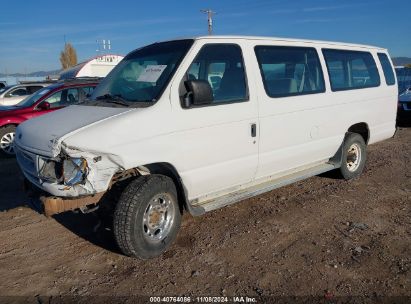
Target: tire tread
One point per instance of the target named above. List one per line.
(127, 206)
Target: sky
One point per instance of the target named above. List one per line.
(32, 33)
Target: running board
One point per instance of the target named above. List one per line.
(261, 188)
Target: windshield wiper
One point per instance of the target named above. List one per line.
(117, 99)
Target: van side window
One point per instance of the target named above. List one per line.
(290, 71)
(222, 66)
(387, 69)
(349, 70)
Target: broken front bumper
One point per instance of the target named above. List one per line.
(50, 205)
(54, 205)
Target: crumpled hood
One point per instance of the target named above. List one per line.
(43, 135)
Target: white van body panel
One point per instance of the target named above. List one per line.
(211, 147)
(216, 140)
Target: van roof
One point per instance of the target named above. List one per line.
(280, 39)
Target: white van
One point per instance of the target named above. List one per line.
(198, 124)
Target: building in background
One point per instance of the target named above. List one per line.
(98, 66)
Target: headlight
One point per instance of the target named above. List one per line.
(74, 171)
(50, 170)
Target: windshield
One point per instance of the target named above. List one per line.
(143, 74)
(32, 99)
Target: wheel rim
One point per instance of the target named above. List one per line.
(6, 143)
(158, 218)
(353, 157)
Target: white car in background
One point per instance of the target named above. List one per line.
(13, 94)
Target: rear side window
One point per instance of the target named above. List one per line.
(350, 70)
(72, 96)
(387, 69)
(290, 71)
(33, 89)
(87, 91)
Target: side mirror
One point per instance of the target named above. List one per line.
(199, 92)
(44, 106)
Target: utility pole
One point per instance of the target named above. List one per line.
(210, 14)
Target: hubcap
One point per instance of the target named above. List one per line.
(6, 143)
(158, 218)
(353, 157)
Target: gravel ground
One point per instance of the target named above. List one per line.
(322, 237)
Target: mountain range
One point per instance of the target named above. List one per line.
(401, 60)
(32, 74)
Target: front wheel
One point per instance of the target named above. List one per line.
(6, 141)
(147, 217)
(354, 156)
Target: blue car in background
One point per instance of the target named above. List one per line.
(404, 98)
(404, 78)
(404, 103)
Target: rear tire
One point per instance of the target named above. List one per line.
(147, 217)
(6, 141)
(354, 156)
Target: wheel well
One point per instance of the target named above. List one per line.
(168, 170)
(362, 129)
(9, 125)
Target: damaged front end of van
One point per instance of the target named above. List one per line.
(75, 179)
(73, 176)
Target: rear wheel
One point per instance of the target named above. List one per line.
(147, 217)
(354, 155)
(6, 141)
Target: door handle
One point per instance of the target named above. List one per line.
(253, 130)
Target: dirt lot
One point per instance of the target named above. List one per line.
(320, 237)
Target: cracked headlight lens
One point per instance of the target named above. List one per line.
(74, 171)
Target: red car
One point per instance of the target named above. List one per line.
(48, 99)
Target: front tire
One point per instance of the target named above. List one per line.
(147, 217)
(6, 141)
(354, 156)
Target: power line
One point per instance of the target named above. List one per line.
(210, 14)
